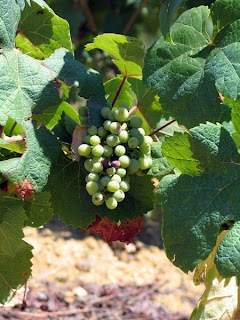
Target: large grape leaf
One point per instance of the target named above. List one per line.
(206, 148)
(14, 271)
(192, 65)
(41, 31)
(35, 164)
(74, 206)
(196, 207)
(12, 217)
(127, 52)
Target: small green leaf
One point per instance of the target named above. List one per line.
(127, 52)
(41, 31)
(160, 166)
(14, 271)
(18, 146)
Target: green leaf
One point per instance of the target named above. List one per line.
(12, 217)
(126, 95)
(41, 31)
(127, 52)
(18, 146)
(235, 105)
(14, 271)
(38, 209)
(144, 96)
(35, 164)
(9, 19)
(160, 166)
(177, 68)
(12, 128)
(225, 12)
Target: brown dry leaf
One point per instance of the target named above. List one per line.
(77, 139)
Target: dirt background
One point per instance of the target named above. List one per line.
(78, 276)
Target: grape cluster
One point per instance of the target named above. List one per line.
(114, 151)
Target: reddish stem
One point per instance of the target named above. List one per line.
(161, 128)
(132, 110)
(119, 90)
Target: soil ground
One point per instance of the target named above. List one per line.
(77, 276)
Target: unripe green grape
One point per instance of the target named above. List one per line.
(102, 132)
(136, 122)
(134, 166)
(111, 116)
(105, 180)
(108, 151)
(116, 177)
(92, 177)
(92, 130)
(113, 186)
(97, 197)
(86, 138)
(125, 161)
(112, 140)
(115, 127)
(119, 195)
(121, 114)
(121, 172)
(98, 150)
(134, 132)
(106, 124)
(105, 112)
(119, 150)
(111, 203)
(150, 162)
(142, 131)
(144, 163)
(100, 187)
(123, 136)
(84, 149)
(88, 165)
(97, 167)
(111, 171)
(124, 105)
(84, 120)
(133, 142)
(92, 187)
(145, 148)
(148, 140)
(95, 140)
(96, 159)
(124, 186)
(83, 111)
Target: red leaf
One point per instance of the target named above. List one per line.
(110, 231)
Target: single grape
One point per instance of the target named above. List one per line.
(84, 149)
(92, 187)
(84, 120)
(116, 177)
(121, 172)
(95, 140)
(134, 132)
(124, 186)
(142, 131)
(88, 165)
(115, 127)
(148, 140)
(144, 163)
(133, 143)
(105, 180)
(100, 187)
(124, 105)
(96, 159)
(105, 163)
(97, 167)
(112, 140)
(98, 150)
(121, 114)
(86, 138)
(125, 161)
(92, 177)
(105, 112)
(145, 148)
(123, 136)
(113, 186)
(111, 203)
(97, 198)
(134, 166)
(119, 195)
(92, 130)
(108, 151)
(83, 111)
(116, 164)
(111, 171)
(120, 150)
(102, 132)
(111, 116)
(106, 124)
(136, 122)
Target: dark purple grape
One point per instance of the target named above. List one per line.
(105, 163)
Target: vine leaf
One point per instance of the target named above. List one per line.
(41, 31)
(195, 208)
(110, 231)
(190, 67)
(127, 52)
(160, 166)
(34, 166)
(16, 146)
(235, 112)
(14, 271)
(12, 217)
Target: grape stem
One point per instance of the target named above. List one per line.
(119, 90)
(132, 110)
(161, 128)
